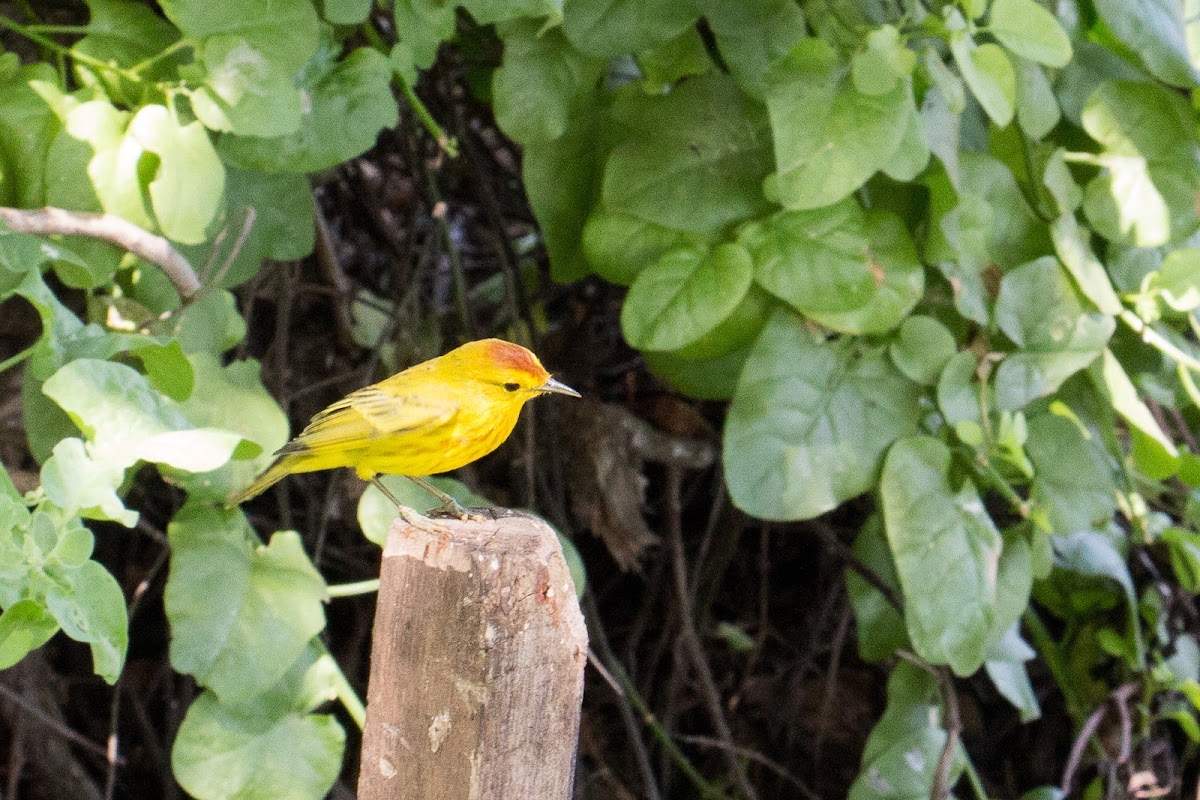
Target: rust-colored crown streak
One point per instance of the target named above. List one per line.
(513, 356)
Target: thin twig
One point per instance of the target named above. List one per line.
(151, 247)
(951, 723)
(691, 639)
(830, 538)
(753, 755)
(1076, 757)
(50, 722)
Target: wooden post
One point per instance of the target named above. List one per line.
(476, 667)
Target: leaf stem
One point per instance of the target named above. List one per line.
(63, 50)
(345, 692)
(1159, 342)
(166, 53)
(353, 589)
(12, 361)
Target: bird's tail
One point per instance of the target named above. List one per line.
(281, 467)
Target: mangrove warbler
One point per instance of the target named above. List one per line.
(434, 417)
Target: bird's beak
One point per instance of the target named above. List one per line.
(557, 387)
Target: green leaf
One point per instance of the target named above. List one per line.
(817, 261)
(705, 378)
(663, 66)
(560, 180)
(28, 125)
(1184, 546)
(897, 272)
(488, 12)
(128, 421)
(1040, 311)
(912, 155)
(1179, 279)
(211, 323)
(883, 64)
(284, 31)
(76, 483)
(829, 138)
(1006, 667)
(1071, 243)
(189, 181)
(221, 752)
(345, 110)
(1090, 554)
(990, 76)
(1147, 193)
(881, 630)
(88, 603)
(940, 537)
(615, 27)
(692, 160)
(810, 421)
(1037, 108)
(376, 513)
(347, 12)
(244, 91)
(240, 613)
(1029, 30)
(618, 246)
(246, 409)
(1072, 480)
(1156, 31)
(422, 26)
(541, 83)
(125, 33)
(750, 35)
(685, 295)
(24, 626)
(1123, 396)
(903, 749)
(922, 349)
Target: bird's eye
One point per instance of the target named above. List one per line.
(511, 387)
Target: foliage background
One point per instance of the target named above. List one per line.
(884, 312)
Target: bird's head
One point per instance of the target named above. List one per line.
(506, 370)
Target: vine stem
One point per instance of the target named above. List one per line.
(344, 691)
(1158, 341)
(50, 44)
(353, 589)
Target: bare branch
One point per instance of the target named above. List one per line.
(110, 228)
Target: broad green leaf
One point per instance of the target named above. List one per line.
(1037, 108)
(346, 12)
(376, 513)
(614, 27)
(1029, 30)
(24, 626)
(1039, 309)
(685, 56)
(77, 483)
(810, 421)
(560, 180)
(125, 33)
(989, 74)
(881, 630)
(88, 603)
(488, 12)
(345, 109)
(692, 160)
(188, 184)
(940, 536)
(1014, 585)
(1059, 181)
(1184, 547)
(127, 420)
(240, 612)
(1147, 193)
(422, 26)
(1155, 31)
(618, 246)
(211, 324)
(683, 296)
(922, 348)
(829, 137)
(903, 749)
(220, 753)
(704, 379)
(897, 272)
(913, 153)
(1006, 667)
(1123, 396)
(28, 125)
(541, 83)
(244, 91)
(883, 64)
(1091, 554)
(738, 330)
(1073, 482)
(816, 261)
(750, 35)
(284, 31)
(246, 409)
(1071, 243)
(1179, 279)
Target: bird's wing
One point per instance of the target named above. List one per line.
(370, 413)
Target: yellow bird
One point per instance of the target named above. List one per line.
(435, 417)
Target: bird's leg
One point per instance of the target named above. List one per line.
(449, 504)
(409, 515)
